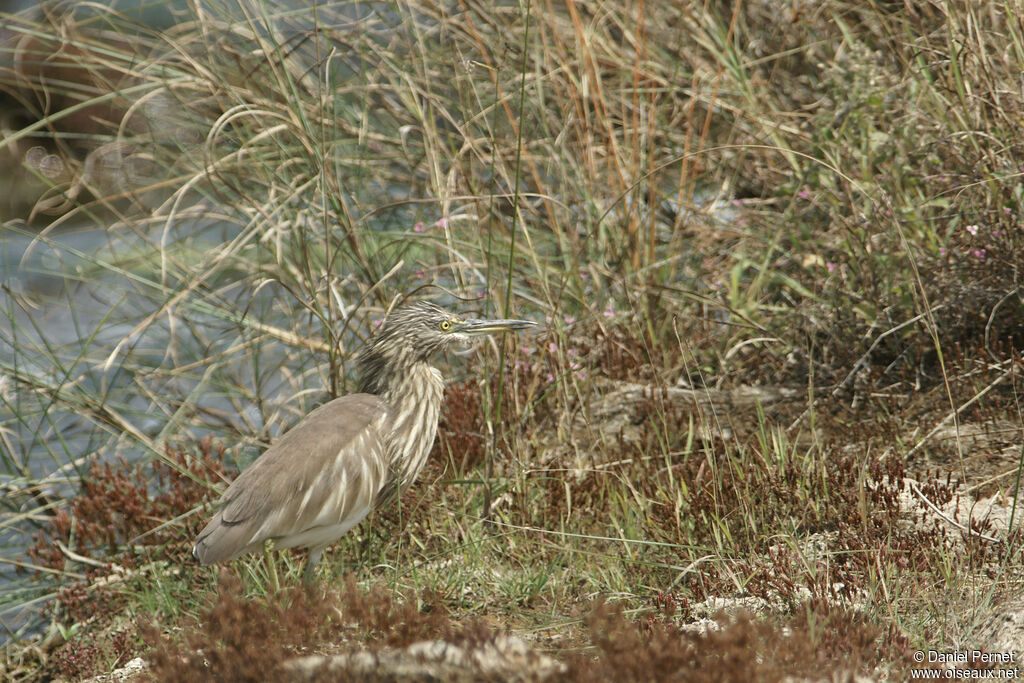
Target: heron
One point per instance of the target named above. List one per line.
(351, 455)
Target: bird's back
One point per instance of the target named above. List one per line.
(316, 482)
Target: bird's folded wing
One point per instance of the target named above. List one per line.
(322, 472)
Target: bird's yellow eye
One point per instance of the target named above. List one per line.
(446, 325)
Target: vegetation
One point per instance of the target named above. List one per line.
(776, 248)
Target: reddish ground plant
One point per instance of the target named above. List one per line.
(123, 517)
(242, 638)
(121, 512)
(818, 640)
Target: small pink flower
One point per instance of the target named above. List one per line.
(943, 251)
(831, 267)
(998, 233)
(441, 222)
(978, 253)
(608, 312)
(804, 193)
(1008, 211)
(569, 320)
(973, 229)
(418, 227)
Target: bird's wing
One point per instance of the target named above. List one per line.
(325, 471)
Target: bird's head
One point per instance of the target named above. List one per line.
(415, 332)
(425, 329)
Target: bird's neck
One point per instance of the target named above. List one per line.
(413, 386)
(413, 393)
(393, 374)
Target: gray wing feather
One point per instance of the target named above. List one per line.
(329, 466)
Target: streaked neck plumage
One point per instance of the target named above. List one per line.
(413, 390)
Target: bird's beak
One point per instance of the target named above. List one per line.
(482, 326)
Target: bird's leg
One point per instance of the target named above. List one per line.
(268, 557)
(311, 562)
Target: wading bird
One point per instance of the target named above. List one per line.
(351, 455)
